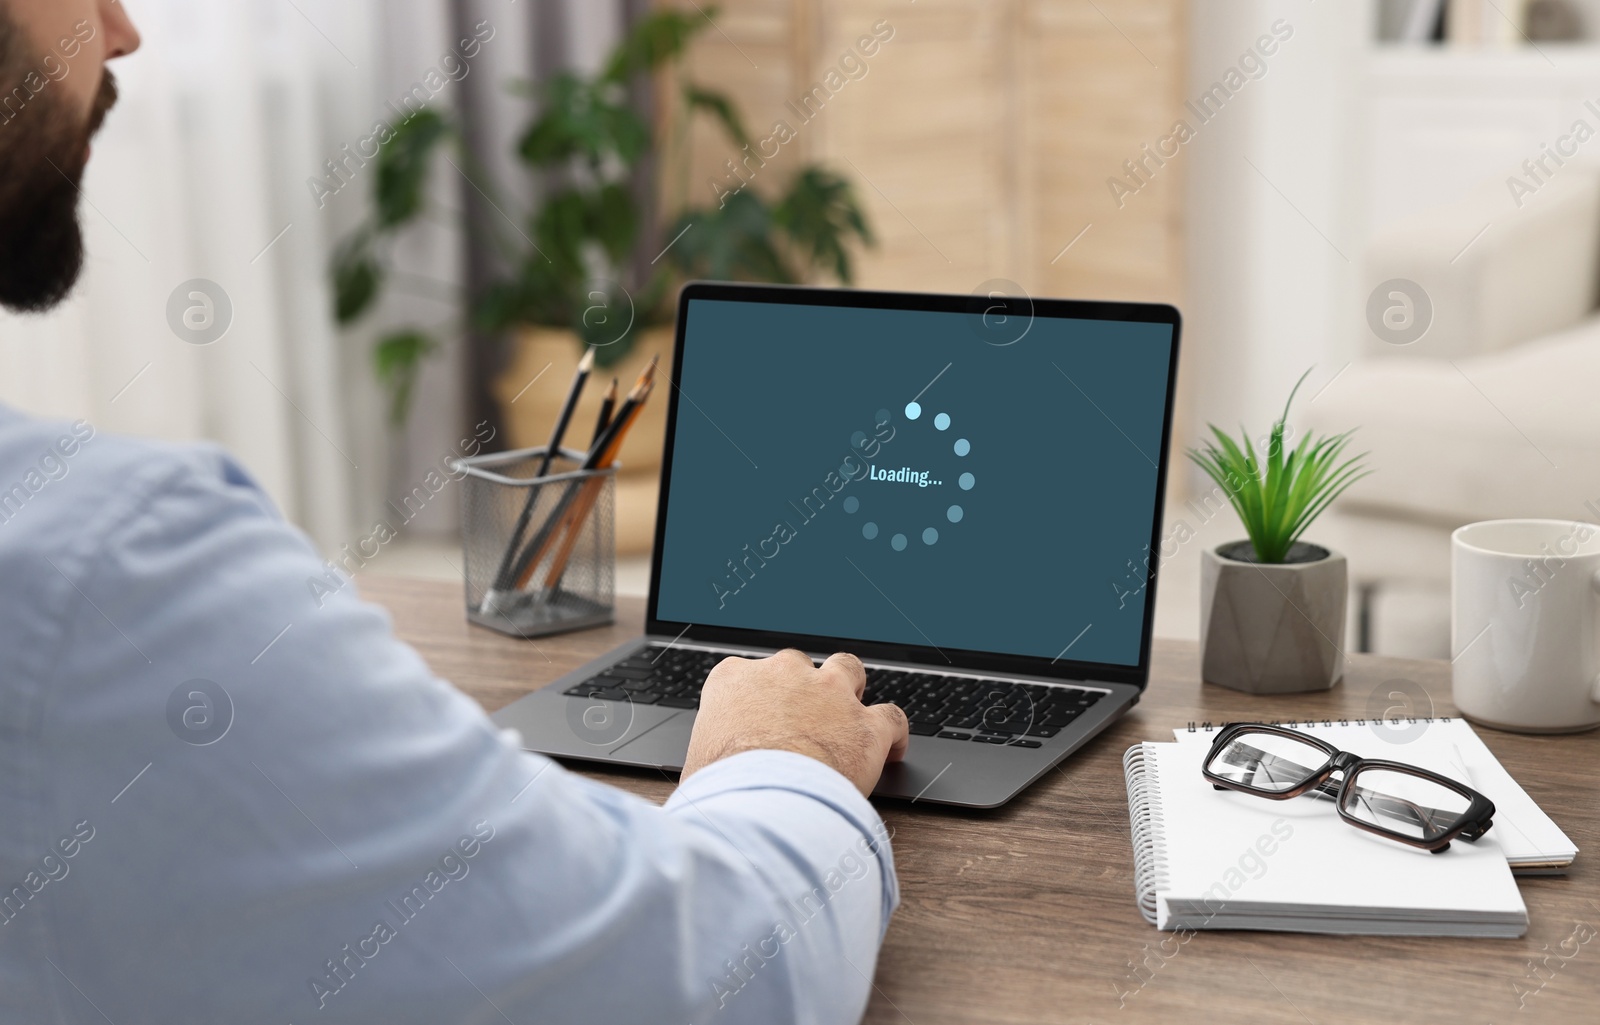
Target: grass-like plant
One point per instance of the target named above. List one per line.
(1277, 499)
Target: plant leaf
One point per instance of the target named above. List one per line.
(397, 359)
(500, 306)
(356, 279)
(580, 118)
(820, 213)
(561, 228)
(403, 163)
(733, 242)
(556, 134)
(629, 135)
(655, 39)
(613, 220)
(720, 107)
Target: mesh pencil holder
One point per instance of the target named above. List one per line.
(540, 552)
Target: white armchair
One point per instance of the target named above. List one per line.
(1494, 411)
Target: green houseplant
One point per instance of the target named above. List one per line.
(1273, 606)
(569, 264)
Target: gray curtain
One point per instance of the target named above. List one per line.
(549, 36)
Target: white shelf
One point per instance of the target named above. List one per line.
(1440, 122)
(1552, 60)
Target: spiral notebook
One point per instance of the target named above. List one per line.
(1208, 859)
(1533, 843)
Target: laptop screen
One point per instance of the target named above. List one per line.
(916, 477)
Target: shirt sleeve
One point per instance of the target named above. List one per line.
(292, 819)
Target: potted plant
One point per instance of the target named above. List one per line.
(572, 279)
(1272, 608)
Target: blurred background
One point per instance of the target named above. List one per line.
(1400, 194)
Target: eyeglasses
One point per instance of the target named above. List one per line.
(1394, 800)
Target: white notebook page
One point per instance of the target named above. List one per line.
(1452, 748)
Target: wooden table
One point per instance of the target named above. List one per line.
(1026, 913)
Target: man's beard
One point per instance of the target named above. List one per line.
(43, 151)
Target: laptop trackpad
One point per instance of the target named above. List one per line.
(666, 745)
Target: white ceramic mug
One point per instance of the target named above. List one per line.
(1525, 624)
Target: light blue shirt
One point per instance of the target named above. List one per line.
(222, 803)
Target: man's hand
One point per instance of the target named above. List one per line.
(785, 703)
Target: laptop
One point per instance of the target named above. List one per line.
(964, 491)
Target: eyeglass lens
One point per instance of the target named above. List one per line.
(1267, 761)
(1407, 805)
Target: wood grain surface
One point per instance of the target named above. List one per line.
(1026, 913)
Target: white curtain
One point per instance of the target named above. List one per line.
(228, 111)
(202, 172)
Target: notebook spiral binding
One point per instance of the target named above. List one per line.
(1149, 829)
(1293, 724)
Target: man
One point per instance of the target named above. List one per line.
(222, 804)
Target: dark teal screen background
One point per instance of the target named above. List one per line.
(1063, 430)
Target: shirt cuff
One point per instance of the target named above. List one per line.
(799, 774)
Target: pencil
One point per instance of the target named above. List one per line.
(585, 365)
(607, 407)
(585, 504)
(619, 422)
(601, 454)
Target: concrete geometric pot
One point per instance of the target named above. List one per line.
(1272, 628)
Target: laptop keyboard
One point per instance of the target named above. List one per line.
(1001, 712)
